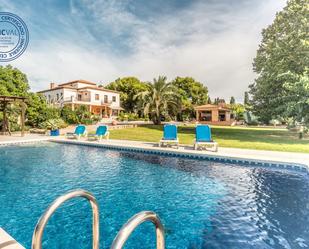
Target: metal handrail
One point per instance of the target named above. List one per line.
(133, 223)
(38, 231)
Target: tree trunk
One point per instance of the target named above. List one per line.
(156, 119)
(157, 115)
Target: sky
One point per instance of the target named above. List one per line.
(213, 41)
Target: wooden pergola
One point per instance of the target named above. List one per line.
(4, 102)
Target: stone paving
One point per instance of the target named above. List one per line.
(5, 139)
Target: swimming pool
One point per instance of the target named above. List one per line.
(202, 204)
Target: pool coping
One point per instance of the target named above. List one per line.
(7, 242)
(191, 154)
(24, 141)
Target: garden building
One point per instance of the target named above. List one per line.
(220, 114)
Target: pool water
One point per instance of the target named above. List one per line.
(202, 204)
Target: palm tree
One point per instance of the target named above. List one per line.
(158, 99)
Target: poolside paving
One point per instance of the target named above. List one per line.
(16, 138)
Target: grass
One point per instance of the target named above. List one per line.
(235, 137)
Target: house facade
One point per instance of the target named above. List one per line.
(220, 114)
(100, 101)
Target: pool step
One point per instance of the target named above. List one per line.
(7, 242)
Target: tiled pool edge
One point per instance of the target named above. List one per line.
(193, 155)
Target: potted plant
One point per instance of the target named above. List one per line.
(53, 125)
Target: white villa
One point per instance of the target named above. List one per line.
(99, 100)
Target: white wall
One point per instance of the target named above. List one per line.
(51, 96)
(67, 93)
(101, 97)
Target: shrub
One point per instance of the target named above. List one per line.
(275, 122)
(83, 113)
(80, 115)
(253, 123)
(53, 124)
(128, 117)
(69, 116)
(87, 121)
(96, 118)
(38, 111)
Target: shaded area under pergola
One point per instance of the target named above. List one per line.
(5, 101)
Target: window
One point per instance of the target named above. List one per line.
(79, 97)
(105, 99)
(97, 97)
(114, 98)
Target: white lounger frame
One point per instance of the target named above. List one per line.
(99, 138)
(72, 135)
(169, 142)
(205, 145)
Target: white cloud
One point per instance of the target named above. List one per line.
(213, 43)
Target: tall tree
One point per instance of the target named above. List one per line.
(232, 100)
(238, 111)
(13, 81)
(246, 99)
(189, 88)
(158, 98)
(297, 100)
(128, 88)
(191, 93)
(219, 101)
(284, 48)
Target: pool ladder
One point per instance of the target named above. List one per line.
(122, 235)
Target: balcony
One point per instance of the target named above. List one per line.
(86, 101)
(106, 102)
(73, 99)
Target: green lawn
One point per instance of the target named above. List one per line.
(237, 137)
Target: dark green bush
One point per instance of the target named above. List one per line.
(69, 116)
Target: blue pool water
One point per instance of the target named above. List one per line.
(202, 204)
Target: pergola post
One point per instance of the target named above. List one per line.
(5, 101)
(22, 118)
(197, 116)
(4, 122)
